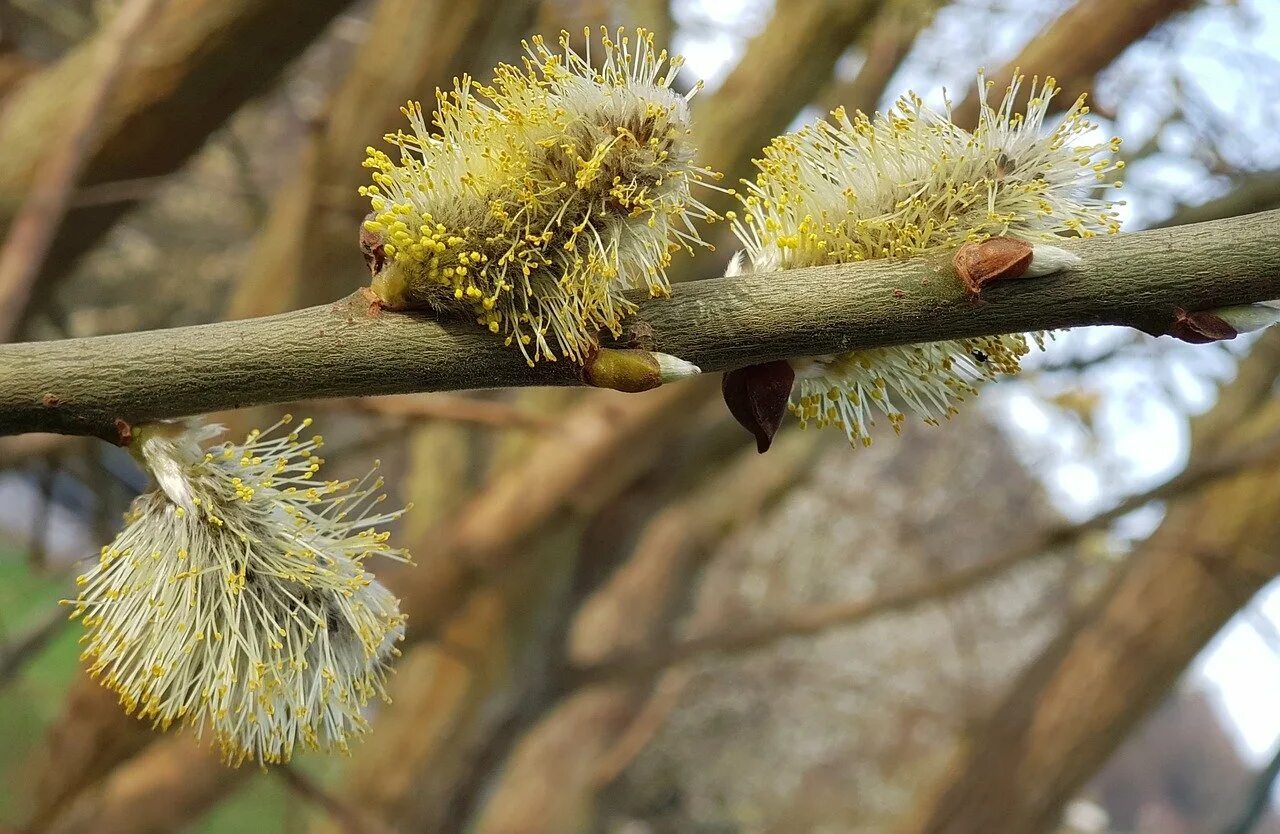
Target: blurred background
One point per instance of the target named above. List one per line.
(1054, 613)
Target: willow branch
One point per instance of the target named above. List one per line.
(99, 385)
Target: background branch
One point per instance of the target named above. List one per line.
(745, 637)
(32, 232)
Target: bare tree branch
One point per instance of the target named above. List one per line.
(744, 637)
(18, 651)
(89, 386)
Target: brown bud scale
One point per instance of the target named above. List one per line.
(995, 259)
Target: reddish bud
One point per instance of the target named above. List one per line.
(371, 246)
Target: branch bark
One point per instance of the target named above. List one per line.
(88, 386)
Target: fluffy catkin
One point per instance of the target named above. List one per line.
(539, 199)
(235, 600)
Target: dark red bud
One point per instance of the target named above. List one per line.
(757, 397)
(1200, 328)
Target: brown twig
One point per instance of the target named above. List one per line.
(450, 408)
(33, 230)
(646, 724)
(17, 652)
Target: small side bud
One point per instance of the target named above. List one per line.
(1008, 258)
(1200, 328)
(1223, 323)
(1248, 318)
(633, 371)
(757, 397)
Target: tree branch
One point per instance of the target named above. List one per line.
(88, 386)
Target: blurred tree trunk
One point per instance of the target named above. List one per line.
(193, 65)
(1077, 46)
(1070, 710)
